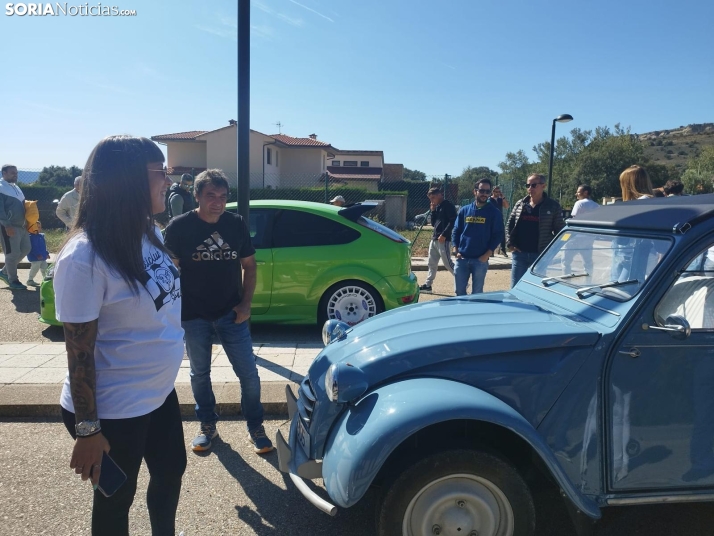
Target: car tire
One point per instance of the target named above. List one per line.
(349, 301)
(457, 492)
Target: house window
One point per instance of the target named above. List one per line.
(276, 158)
(267, 156)
(336, 163)
(350, 162)
(364, 163)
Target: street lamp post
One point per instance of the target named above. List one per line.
(560, 119)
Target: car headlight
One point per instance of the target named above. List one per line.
(345, 382)
(334, 330)
(331, 386)
(50, 272)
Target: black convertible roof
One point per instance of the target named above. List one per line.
(655, 214)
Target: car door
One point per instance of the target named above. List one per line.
(304, 246)
(261, 224)
(660, 409)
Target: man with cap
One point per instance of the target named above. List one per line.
(67, 206)
(443, 216)
(338, 201)
(180, 198)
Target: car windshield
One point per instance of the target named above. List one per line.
(615, 266)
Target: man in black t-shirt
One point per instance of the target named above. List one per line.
(218, 276)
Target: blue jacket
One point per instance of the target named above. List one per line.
(477, 230)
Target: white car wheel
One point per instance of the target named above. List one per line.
(351, 303)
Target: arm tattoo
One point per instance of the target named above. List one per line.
(79, 340)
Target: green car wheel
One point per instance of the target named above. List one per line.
(350, 302)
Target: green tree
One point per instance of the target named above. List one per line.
(414, 175)
(699, 175)
(515, 169)
(59, 176)
(605, 157)
(470, 176)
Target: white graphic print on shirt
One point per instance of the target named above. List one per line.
(214, 248)
(161, 279)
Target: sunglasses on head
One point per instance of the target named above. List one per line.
(533, 184)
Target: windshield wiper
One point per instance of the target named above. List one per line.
(563, 277)
(589, 290)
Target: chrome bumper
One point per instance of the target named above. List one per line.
(296, 464)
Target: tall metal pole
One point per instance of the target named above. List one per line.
(550, 164)
(243, 127)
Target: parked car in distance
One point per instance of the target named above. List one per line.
(316, 262)
(594, 372)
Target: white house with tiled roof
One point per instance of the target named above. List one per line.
(276, 161)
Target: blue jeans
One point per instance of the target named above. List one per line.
(238, 346)
(465, 268)
(520, 262)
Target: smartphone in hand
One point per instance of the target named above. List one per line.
(111, 478)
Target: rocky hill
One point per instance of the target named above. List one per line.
(676, 146)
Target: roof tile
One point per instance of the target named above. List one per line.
(299, 142)
(190, 135)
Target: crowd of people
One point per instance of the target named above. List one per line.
(472, 235)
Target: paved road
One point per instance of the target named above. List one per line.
(233, 491)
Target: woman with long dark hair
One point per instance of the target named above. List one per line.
(118, 294)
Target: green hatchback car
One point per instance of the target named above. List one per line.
(316, 262)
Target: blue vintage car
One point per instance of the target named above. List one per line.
(596, 370)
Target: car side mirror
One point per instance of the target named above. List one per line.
(677, 327)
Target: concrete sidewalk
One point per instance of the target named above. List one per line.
(31, 378)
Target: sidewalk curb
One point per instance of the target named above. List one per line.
(42, 400)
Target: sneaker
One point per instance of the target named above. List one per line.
(202, 441)
(505, 254)
(425, 288)
(16, 285)
(31, 283)
(3, 277)
(260, 441)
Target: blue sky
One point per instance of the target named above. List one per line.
(436, 85)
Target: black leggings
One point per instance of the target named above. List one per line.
(156, 437)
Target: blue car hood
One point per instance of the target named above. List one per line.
(484, 324)
(488, 340)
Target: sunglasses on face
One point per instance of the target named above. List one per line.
(533, 184)
(482, 191)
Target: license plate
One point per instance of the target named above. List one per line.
(303, 437)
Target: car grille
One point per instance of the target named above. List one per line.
(306, 401)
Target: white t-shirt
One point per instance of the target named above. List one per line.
(582, 206)
(139, 344)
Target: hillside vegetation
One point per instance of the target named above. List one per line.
(678, 146)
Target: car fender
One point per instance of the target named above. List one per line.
(364, 436)
(346, 272)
